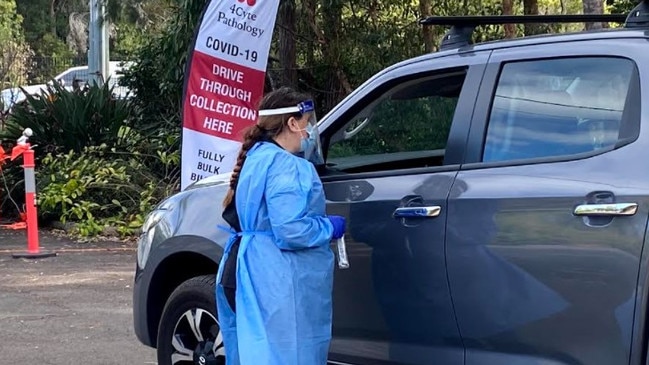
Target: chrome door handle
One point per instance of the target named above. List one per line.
(617, 209)
(417, 212)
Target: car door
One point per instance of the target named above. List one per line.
(393, 151)
(547, 218)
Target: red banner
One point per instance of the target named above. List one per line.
(224, 82)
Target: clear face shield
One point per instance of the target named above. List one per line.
(310, 148)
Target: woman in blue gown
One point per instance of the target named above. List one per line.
(279, 257)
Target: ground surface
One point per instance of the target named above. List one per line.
(75, 308)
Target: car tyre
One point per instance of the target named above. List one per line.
(189, 331)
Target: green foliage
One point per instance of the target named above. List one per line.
(50, 45)
(66, 21)
(49, 16)
(136, 164)
(621, 6)
(14, 51)
(136, 21)
(64, 120)
(158, 75)
(62, 58)
(157, 79)
(107, 162)
(10, 20)
(97, 187)
(129, 37)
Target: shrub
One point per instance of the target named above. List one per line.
(96, 188)
(64, 120)
(106, 162)
(157, 81)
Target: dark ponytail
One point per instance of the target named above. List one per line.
(252, 135)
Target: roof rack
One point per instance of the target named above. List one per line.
(462, 27)
(639, 16)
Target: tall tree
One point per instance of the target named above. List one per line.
(329, 36)
(593, 7)
(531, 7)
(14, 51)
(286, 29)
(309, 11)
(508, 9)
(425, 11)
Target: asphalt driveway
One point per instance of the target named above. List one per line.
(75, 308)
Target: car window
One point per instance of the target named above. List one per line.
(82, 76)
(548, 108)
(68, 77)
(406, 127)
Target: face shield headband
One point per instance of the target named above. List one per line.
(304, 107)
(310, 148)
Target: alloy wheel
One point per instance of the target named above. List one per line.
(197, 339)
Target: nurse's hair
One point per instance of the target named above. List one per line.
(267, 127)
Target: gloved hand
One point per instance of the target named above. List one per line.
(339, 226)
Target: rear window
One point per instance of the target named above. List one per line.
(557, 107)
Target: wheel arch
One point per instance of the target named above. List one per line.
(179, 259)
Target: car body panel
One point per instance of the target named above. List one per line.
(393, 305)
(529, 279)
(475, 277)
(146, 297)
(190, 227)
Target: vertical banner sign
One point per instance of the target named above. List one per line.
(224, 82)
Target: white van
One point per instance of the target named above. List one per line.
(67, 78)
(81, 76)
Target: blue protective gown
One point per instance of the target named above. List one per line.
(284, 266)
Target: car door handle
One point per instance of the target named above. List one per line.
(417, 212)
(615, 209)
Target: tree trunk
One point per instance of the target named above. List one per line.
(338, 84)
(309, 16)
(531, 7)
(508, 9)
(593, 7)
(53, 17)
(286, 34)
(425, 11)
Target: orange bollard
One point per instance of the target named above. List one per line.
(33, 249)
(3, 157)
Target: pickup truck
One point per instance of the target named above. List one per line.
(497, 201)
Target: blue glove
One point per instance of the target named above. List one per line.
(339, 226)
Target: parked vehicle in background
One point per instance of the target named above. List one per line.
(78, 77)
(497, 200)
(11, 96)
(73, 78)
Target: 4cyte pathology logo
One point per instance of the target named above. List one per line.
(242, 18)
